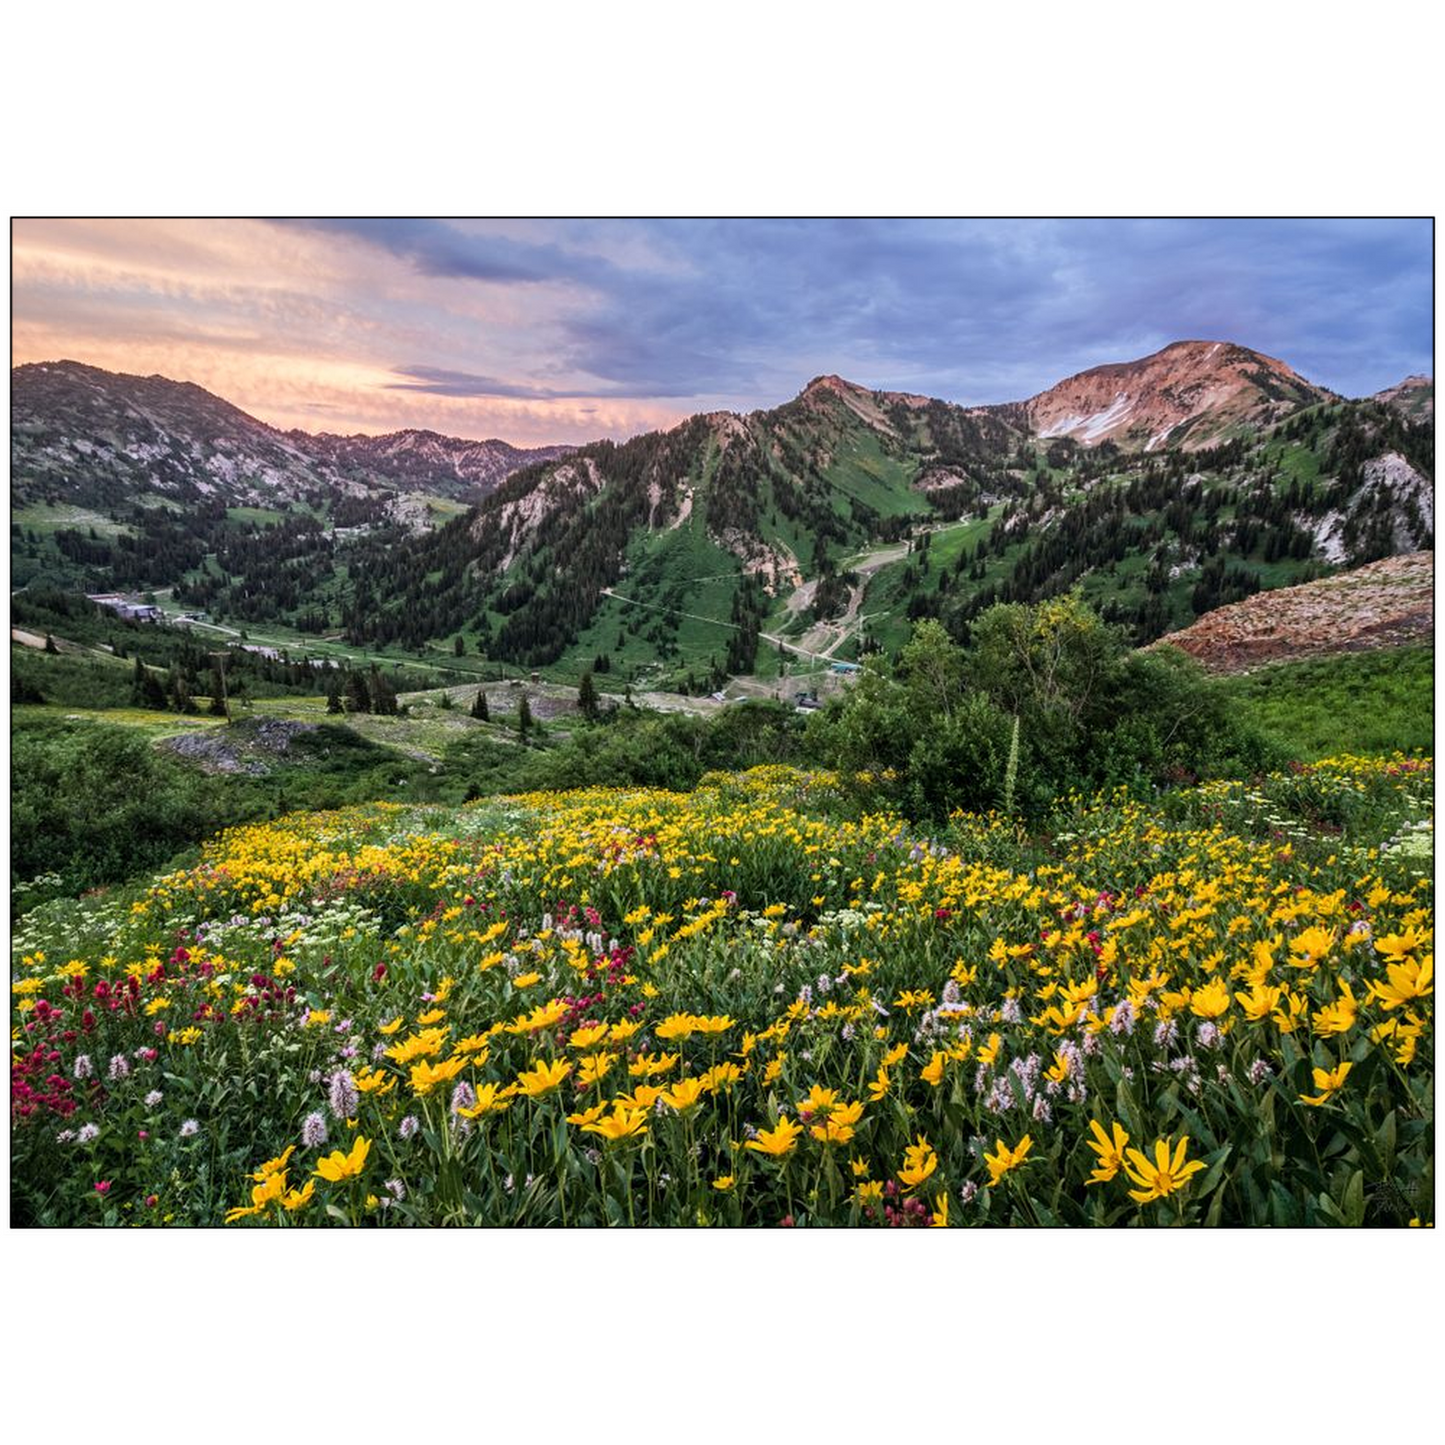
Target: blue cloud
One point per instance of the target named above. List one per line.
(438, 381)
(438, 248)
(975, 311)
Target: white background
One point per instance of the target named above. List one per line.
(776, 108)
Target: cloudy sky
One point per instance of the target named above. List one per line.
(566, 330)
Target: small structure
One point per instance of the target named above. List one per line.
(132, 611)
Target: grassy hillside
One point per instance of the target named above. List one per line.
(1362, 703)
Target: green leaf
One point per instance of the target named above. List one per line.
(1283, 1207)
(1215, 1172)
(1386, 1139)
(1216, 1209)
(1354, 1200)
(1128, 1109)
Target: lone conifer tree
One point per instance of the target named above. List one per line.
(383, 694)
(587, 697)
(480, 710)
(358, 699)
(524, 718)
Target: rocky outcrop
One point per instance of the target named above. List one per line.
(1381, 605)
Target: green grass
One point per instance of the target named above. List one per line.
(1368, 702)
(444, 508)
(681, 571)
(267, 516)
(1296, 460)
(65, 679)
(42, 518)
(863, 471)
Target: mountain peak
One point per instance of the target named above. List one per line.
(1413, 398)
(1190, 393)
(833, 383)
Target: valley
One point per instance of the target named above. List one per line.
(723, 585)
(731, 548)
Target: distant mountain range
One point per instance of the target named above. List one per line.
(732, 544)
(91, 437)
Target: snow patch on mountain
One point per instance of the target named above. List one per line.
(1091, 428)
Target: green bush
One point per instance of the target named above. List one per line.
(932, 734)
(93, 804)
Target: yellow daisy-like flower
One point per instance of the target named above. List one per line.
(622, 1123)
(1337, 1017)
(297, 1199)
(819, 1100)
(541, 1080)
(491, 1099)
(1006, 1160)
(684, 1094)
(1211, 1001)
(777, 1141)
(1329, 1082)
(593, 1068)
(721, 1077)
(1110, 1151)
(1163, 1175)
(712, 1025)
(584, 1038)
(1407, 981)
(426, 1075)
(919, 1161)
(338, 1167)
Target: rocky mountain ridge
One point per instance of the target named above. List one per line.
(1190, 394)
(1382, 604)
(1413, 398)
(82, 435)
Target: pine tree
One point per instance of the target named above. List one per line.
(459, 646)
(358, 699)
(178, 692)
(524, 718)
(480, 710)
(383, 694)
(587, 697)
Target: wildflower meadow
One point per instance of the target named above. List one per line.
(752, 1004)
